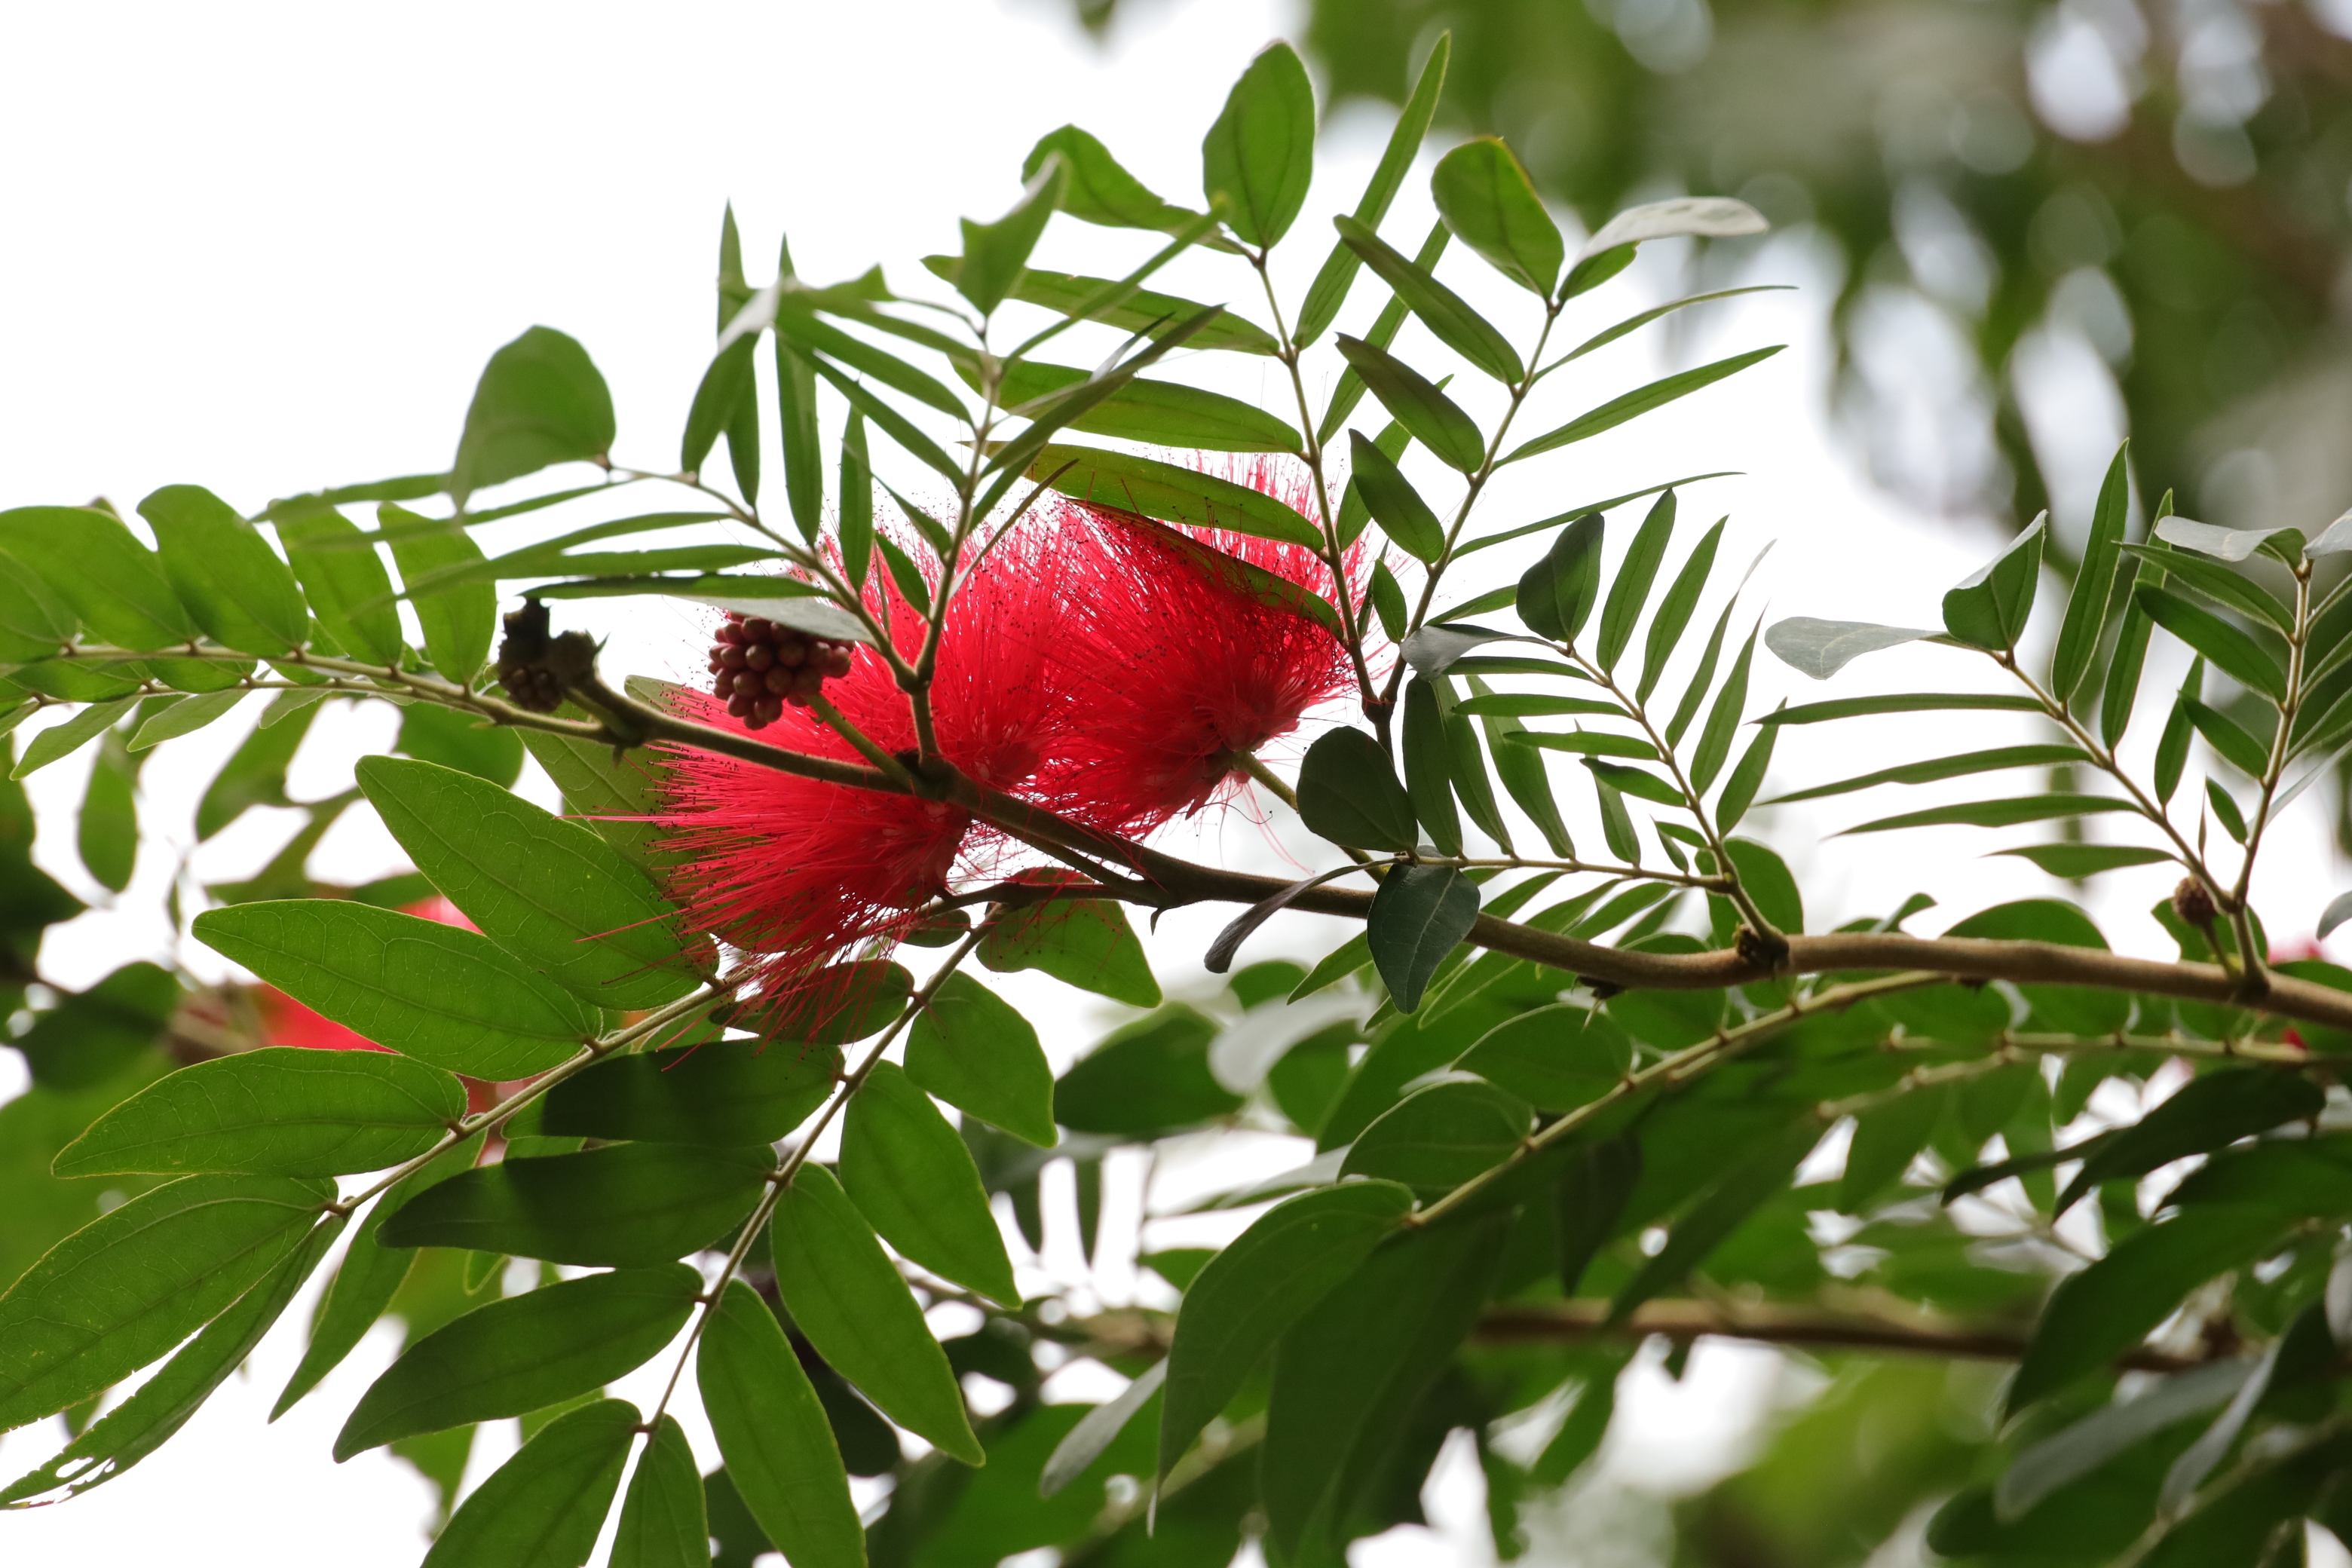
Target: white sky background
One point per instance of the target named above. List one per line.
(267, 248)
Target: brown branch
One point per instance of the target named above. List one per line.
(1774, 1323)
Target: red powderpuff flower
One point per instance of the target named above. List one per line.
(1179, 662)
(796, 870)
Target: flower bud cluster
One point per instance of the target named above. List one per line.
(758, 666)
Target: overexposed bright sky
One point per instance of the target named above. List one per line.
(267, 248)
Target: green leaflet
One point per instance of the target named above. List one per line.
(548, 890)
(2100, 1312)
(367, 1278)
(1485, 199)
(441, 994)
(1418, 917)
(223, 571)
(2209, 1114)
(2231, 651)
(1446, 314)
(845, 1295)
(1392, 502)
(1240, 1303)
(539, 401)
(1259, 156)
(779, 1446)
(128, 1286)
(1437, 421)
(343, 579)
(1556, 595)
(1349, 793)
(1146, 1078)
(1440, 1137)
(1989, 607)
(1348, 1372)
(1638, 402)
(545, 1506)
(456, 619)
(663, 1520)
(2086, 607)
(1629, 594)
(1998, 813)
(1429, 767)
(1746, 1186)
(1521, 769)
(1330, 289)
(1171, 494)
(1086, 942)
(1943, 768)
(1165, 413)
(1101, 191)
(88, 559)
(524, 1353)
(716, 1092)
(913, 1178)
(1556, 1059)
(972, 1049)
(276, 1112)
(632, 1206)
(161, 1405)
(1140, 311)
(1913, 702)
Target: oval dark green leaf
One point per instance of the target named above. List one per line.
(631, 1206)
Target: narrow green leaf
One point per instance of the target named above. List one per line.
(1943, 768)
(2209, 1114)
(1392, 502)
(2225, 809)
(1723, 719)
(1640, 400)
(1100, 189)
(1747, 778)
(1675, 610)
(1640, 319)
(847, 1297)
(1998, 813)
(440, 993)
(184, 717)
(1590, 743)
(1470, 782)
(2075, 861)
(548, 890)
(1555, 1058)
(344, 581)
(912, 1177)
(2086, 607)
(1638, 782)
(456, 619)
(162, 1404)
(276, 1112)
(718, 1092)
(367, 1279)
(969, 1046)
(1351, 390)
(1536, 705)
(87, 558)
(2231, 651)
(2218, 583)
(233, 585)
(524, 1353)
(1557, 594)
(1521, 769)
(1448, 316)
(1136, 310)
(131, 1284)
(1350, 1371)
(1486, 199)
(1348, 794)
(803, 453)
(995, 253)
(779, 1449)
(2223, 733)
(1440, 1137)
(1259, 156)
(1616, 822)
(2103, 1310)
(1989, 607)
(1428, 767)
(2130, 656)
(106, 833)
(1746, 1185)
(1418, 917)
(1163, 412)
(64, 740)
(631, 1206)
(2172, 746)
(662, 1521)
(545, 1506)
(1388, 600)
(539, 401)
(1330, 289)
(892, 423)
(1171, 494)
(1290, 1258)
(1437, 421)
(1630, 593)
(1086, 942)
(1907, 702)
(1885, 1140)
